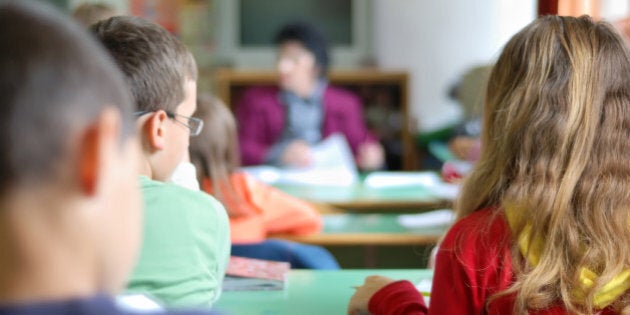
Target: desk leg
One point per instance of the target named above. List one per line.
(370, 256)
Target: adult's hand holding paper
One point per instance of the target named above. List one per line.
(333, 165)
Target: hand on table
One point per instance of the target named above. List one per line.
(465, 148)
(370, 156)
(359, 301)
(297, 154)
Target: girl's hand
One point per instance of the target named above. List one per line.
(359, 301)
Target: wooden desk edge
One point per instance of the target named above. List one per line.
(387, 205)
(363, 239)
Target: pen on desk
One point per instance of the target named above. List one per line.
(424, 293)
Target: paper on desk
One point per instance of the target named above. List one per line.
(434, 218)
(333, 165)
(425, 286)
(444, 190)
(138, 302)
(397, 179)
(431, 181)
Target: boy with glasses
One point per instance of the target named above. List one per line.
(70, 205)
(186, 236)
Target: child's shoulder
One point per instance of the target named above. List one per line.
(171, 193)
(480, 228)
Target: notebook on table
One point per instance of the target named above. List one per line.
(248, 274)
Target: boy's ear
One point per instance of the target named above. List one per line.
(96, 145)
(154, 130)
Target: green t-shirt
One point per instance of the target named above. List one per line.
(186, 246)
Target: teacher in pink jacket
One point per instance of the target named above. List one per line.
(278, 125)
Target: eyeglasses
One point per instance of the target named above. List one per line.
(194, 125)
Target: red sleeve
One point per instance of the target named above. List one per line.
(400, 297)
(472, 264)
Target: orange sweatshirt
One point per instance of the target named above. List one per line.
(258, 210)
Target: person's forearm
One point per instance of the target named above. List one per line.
(274, 155)
(398, 298)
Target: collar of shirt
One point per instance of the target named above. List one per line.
(289, 98)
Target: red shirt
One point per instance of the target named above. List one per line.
(473, 263)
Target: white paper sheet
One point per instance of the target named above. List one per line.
(425, 286)
(431, 181)
(435, 218)
(333, 165)
(399, 179)
(138, 303)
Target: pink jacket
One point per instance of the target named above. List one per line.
(261, 119)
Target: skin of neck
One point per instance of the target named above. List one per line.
(307, 89)
(151, 165)
(49, 246)
(145, 166)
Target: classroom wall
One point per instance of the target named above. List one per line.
(437, 41)
(121, 5)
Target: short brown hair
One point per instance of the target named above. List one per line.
(55, 79)
(155, 62)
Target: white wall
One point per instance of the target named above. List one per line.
(437, 41)
(121, 6)
(613, 10)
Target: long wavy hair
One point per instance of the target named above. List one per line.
(556, 147)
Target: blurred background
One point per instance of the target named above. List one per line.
(442, 47)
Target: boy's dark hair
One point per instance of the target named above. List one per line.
(310, 37)
(55, 79)
(156, 64)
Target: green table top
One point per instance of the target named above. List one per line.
(373, 223)
(310, 292)
(369, 229)
(358, 192)
(361, 197)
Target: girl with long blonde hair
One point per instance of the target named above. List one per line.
(544, 218)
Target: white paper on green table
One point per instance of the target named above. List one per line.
(333, 165)
(138, 303)
(436, 218)
(425, 286)
(399, 179)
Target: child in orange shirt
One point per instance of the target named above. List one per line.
(256, 210)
